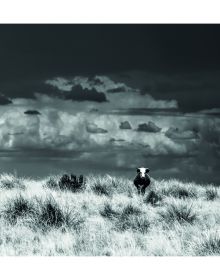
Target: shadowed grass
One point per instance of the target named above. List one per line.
(210, 245)
(9, 181)
(18, 207)
(108, 212)
(52, 183)
(52, 215)
(153, 198)
(101, 189)
(212, 193)
(107, 218)
(131, 218)
(179, 211)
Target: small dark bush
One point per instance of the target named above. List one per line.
(18, 207)
(153, 198)
(179, 212)
(71, 183)
(131, 210)
(211, 194)
(52, 183)
(179, 192)
(132, 222)
(101, 189)
(209, 246)
(131, 218)
(51, 215)
(108, 212)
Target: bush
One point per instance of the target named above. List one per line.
(52, 215)
(153, 198)
(210, 245)
(71, 183)
(131, 210)
(180, 212)
(18, 207)
(52, 183)
(211, 193)
(101, 189)
(132, 222)
(108, 212)
(131, 219)
(178, 190)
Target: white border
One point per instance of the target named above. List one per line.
(109, 11)
(109, 268)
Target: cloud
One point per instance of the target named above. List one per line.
(175, 133)
(127, 98)
(32, 112)
(93, 128)
(78, 93)
(148, 127)
(117, 89)
(125, 125)
(4, 100)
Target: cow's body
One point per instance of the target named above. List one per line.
(142, 180)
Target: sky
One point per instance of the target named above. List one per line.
(107, 99)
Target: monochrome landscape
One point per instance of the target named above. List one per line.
(82, 107)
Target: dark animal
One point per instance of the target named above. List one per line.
(142, 180)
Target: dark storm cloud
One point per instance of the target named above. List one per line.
(93, 128)
(32, 112)
(176, 133)
(4, 100)
(125, 125)
(80, 94)
(146, 112)
(148, 127)
(119, 89)
(193, 91)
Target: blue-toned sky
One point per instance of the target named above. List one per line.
(110, 98)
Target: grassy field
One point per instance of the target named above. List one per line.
(104, 216)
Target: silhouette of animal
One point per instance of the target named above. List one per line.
(142, 180)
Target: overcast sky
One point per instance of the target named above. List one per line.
(110, 98)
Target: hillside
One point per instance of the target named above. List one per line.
(104, 216)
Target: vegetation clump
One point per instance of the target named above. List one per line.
(66, 215)
(211, 193)
(72, 183)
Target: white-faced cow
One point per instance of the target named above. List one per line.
(142, 180)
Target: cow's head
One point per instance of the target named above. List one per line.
(142, 171)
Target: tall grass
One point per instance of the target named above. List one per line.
(179, 211)
(61, 215)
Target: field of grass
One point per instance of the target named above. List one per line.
(104, 216)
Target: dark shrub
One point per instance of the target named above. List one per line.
(211, 194)
(132, 219)
(72, 183)
(52, 215)
(153, 198)
(101, 189)
(18, 207)
(131, 210)
(132, 222)
(52, 183)
(179, 192)
(210, 245)
(179, 212)
(108, 212)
